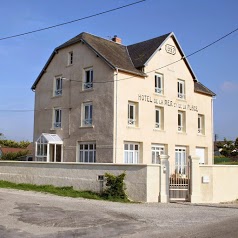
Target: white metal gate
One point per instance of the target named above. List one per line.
(179, 178)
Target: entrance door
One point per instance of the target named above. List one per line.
(55, 153)
(179, 176)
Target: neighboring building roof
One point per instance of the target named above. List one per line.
(6, 150)
(200, 88)
(125, 58)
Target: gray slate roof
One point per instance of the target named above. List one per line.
(142, 51)
(124, 58)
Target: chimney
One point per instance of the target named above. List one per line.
(116, 39)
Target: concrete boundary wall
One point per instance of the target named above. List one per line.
(218, 183)
(142, 181)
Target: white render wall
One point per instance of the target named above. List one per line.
(142, 181)
(142, 92)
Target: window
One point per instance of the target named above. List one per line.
(41, 149)
(87, 114)
(131, 153)
(88, 79)
(157, 150)
(180, 160)
(57, 118)
(58, 86)
(181, 121)
(70, 58)
(200, 124)
(159, 118)
(181, 89)
(159, 83)
(132, 113)
(87, 152)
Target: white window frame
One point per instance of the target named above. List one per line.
(70, 58)
(159, 113)
(84, 151)
(181, 89)
(87, 114)
(159, 83)
(88, 79)
(58, 86)
(132, 113)
(57, 119)
(41, 149)
(180, 160)
(156, 151)
(181, 121)
(131, 153)
(200, 124)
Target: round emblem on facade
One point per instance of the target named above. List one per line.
(170, 49)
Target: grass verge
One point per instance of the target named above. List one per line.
(60, 191)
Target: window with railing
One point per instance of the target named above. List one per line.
(58, 86)
(88, 79)
(159, 83)
(181, 89)
(57, 118)
(201, 124)
(181, 121)
(159, 114)
(132, 114)
(87, 114)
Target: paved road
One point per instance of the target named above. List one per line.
(37, 215)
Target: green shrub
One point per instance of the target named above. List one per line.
(14, 156)
(14, 144)
(115, 187)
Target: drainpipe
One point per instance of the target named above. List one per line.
(212, 125)
(115, 157)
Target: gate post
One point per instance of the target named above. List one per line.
(195, 190)
(164, 178)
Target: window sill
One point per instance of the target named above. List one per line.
(69, 65)
(159, 130)
(181, 99)
(56, 129)
(57, 96)
(203, 135)
(181, 133)
(159, 95)
(85, 127)
(132, 127)
(87, 90)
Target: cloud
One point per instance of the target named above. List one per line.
(229, 86)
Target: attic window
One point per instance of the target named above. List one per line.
(70, 58)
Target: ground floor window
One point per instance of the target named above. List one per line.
(156, 150)
(131, 153)
(180, 160)
(87, 152)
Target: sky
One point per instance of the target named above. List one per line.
(195, 23)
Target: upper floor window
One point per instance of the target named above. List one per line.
(181, 89)
(87, 152)
(159, 113)
(200, 124)
(181, 121)
(87, 113)
(58, 86)
(159, 83)
(70, 58)
(132, 113)
(88, 79)
(57, 117)
(131, 153)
